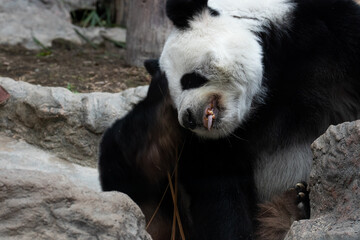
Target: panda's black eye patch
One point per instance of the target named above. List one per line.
(213, 12)
(192, 80)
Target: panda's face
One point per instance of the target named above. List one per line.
(214, 72)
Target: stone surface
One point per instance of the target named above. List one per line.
(46, 20)
(67, 124)
(17, 154)
(71, 5)
(98, 35)
(335, 187)
(36, 205)
(115, 34)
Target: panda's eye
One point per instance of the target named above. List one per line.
(192, 80)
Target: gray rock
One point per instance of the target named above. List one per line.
(67, 124)
(35, 205)
(335, 187)
(23, 20)
(17, 154)
(71, 5)
(114, 34)
(98, 35)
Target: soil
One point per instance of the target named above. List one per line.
(78, 68)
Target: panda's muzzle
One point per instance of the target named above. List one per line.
(188, 120)
(204, 117)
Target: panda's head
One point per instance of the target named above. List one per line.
(213, 62)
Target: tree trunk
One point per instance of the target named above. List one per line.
(121, 12)
(147, 29)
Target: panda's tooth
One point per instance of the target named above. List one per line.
(210, 119)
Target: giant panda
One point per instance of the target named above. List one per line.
(241, 90)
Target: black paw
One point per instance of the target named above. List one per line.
(303, 199)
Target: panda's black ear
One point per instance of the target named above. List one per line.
(181, 11)
(152, 66)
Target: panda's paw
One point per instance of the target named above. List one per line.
(302, 199)
(302, 191)
(275, 217)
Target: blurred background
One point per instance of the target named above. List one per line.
(83, 45)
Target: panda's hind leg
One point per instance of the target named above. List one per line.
(158, 220)
(275, 217)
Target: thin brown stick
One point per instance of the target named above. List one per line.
(176, 209)
(173, 232)
(157, 208)
(167, 187)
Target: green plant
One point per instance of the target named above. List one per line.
(45, 51)
(91, 19)
(71, 88)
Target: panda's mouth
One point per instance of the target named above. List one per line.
(210, 114)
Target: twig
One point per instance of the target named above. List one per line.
(157, 208)
(176, 208)
(163, 196)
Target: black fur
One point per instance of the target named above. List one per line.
(192, 80)
(312, 80)
(137, 151)
(152, 66)
(311, 73)
(222, 203)
(181, 11)
(120, 151)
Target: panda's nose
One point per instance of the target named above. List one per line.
(188, 119)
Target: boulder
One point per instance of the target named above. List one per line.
(17, 154)
(71, 5)
(335, 187)
(98, 35)
(28, 22)
(36, 205)
(65, 123)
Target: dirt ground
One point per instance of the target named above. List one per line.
(80, 69)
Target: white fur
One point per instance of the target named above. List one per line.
(279, 170)
(225, 50)
(265, 11)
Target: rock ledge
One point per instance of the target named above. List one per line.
(35, 205)
(335, 187)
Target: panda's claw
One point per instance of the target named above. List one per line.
(300, 186)
(301, 195)
(302, 198)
